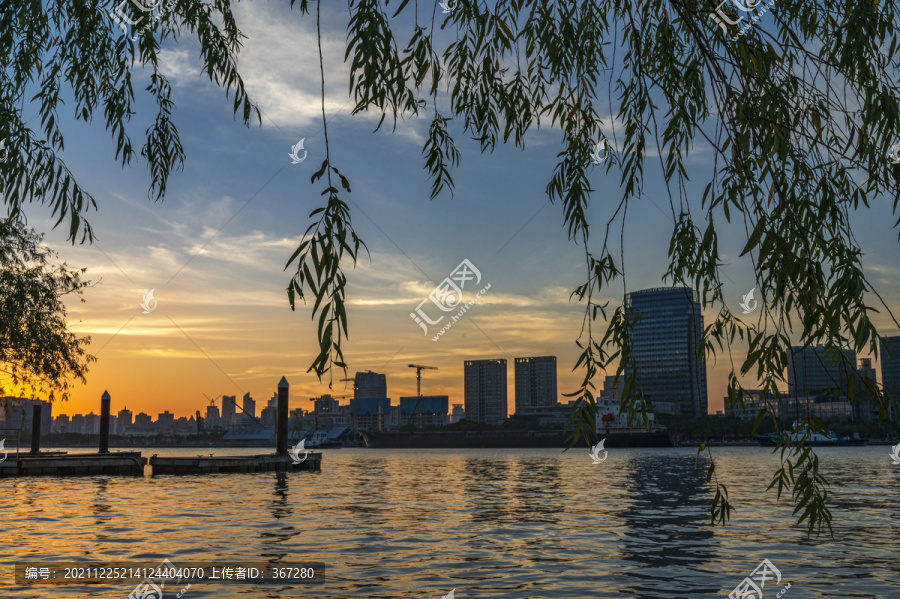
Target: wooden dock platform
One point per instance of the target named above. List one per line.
(125, 463)
(224, 464)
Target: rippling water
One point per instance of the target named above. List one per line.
(487, 523)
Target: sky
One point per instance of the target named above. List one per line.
(215, 250)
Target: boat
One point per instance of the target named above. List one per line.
(319, 440)
(461, 439)
(814, 438)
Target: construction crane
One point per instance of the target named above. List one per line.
(419, 368)
(212, 402)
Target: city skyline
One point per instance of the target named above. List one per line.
(214, 251)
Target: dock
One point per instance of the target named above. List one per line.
(223, 464)
(126, 463)
(131, 463)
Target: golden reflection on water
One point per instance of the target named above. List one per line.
(488, 523)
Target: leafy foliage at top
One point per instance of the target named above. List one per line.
(73, 51)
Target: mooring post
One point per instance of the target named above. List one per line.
(36, 427)
(104, 422)
(281, 422)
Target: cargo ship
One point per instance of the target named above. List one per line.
(614, 439)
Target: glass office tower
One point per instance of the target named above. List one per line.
(666, 341)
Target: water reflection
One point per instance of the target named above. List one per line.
(666, 524)
(537, 490)
(486, 489)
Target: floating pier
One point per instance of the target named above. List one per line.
(126, 463)
(224, 464)
(61, 463)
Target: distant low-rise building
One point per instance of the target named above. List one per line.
(754, 401)
(92, 424)
(371, 413)
(268, 416)
(428, 410)
(61, 424)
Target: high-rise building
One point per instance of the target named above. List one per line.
(369, 384)
(249, 405)
(428, 410)
(666, 344)
(812, 371)
(165, 421)
(125, 419)
(535, 382)
(142, 420)
(485, 391)
(213, 419)
(458, 413)
(229, 407)
(890, 366)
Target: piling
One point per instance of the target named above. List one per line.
(36, 428)
(281, 422)
(104, 422)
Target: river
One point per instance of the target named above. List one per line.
(509, 524)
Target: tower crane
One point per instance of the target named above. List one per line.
(419, 368)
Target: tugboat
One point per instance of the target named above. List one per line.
(814, 439)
